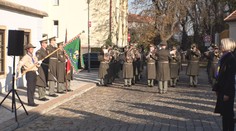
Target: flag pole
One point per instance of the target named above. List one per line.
(37, 63)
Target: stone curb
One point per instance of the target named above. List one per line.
(34, 113)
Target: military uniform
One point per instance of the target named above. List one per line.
(193, 57)
(163, 68)
(41, 83)
(103, 67)
(27, 62)
(69, 75)
(52, 72)
(151, 67)
(174, 67)
(128, 72)
(61, 69)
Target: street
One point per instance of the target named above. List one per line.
(136, 108)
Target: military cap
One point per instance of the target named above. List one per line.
(163, 43)
(53, 37)
(60, 43)
(43, 39)
(29, 46)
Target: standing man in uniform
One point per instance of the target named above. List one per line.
(69, 75)
(41, 83)
(193, 55)
(52, 71)
(174, 66)
(104, 59)
(128, 72)
(151, 65)
(163, 68)
(61, 69)
(30, 64)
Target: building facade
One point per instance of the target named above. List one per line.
(231, 20)
(90, 19)
(18, 15)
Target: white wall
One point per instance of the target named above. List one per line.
(232, 30)
(15, 21)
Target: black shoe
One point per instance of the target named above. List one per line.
(194, 85)
(53, 95)
(69, 90)
(61, 92)
(33, 104)
(44, 99)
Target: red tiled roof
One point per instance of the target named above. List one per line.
(231, 17)
(139, 18)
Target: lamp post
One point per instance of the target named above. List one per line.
(88, 38)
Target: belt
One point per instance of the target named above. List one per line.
(53, 58)
(194, 61)
(104, 62)
(151, 63)
(163, 61)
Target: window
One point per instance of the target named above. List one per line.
(55, 2)
(55, 28)
(2, 50)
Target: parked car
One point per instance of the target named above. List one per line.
(94, 62)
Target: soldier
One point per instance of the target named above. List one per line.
(69, 75)
(41, 83)
(207, 54)
(213, 58)
(116, 54)
(52, 71)
(30, 64)
(104, 59)
(151, 65)
(128, 73)
(174, 66)
(61, 71)
(163, 68)
(193, 55)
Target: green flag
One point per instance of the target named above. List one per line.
(73, 52)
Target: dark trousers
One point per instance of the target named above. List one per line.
(31, 83)
(228, 123)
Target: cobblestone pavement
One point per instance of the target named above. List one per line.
(136, 108)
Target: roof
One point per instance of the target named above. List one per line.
(231, 17)
(139, 19)
(23, 9)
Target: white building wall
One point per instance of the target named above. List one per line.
(15, 21)
(232, 30)
(73, 16)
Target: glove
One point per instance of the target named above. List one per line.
(19, 75)
(40, 62)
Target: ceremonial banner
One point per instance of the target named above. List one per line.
(73, 52)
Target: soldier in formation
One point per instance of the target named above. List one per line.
(163, 68)
(41, 83)
(193, 55)
(52, 67)
(174, 66)
(151, 65)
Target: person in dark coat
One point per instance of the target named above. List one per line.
(52, 67)
(174, 66)
(193, 55)
(41, 82)
(61, 69)
(151, 65)
(225, 84)
(163, 67)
